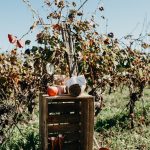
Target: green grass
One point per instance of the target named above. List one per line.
(24, 137)
(113, 125)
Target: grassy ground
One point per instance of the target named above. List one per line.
(25, 136)
(112, 126)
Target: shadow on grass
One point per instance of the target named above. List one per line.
(121, 120)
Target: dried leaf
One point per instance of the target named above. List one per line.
(47, 2)
(145, 45)
(103, 17)
(14, 52)
(101, 8)
(91, 42)
(80, 14)
(106, 41)
(57, 27)
(27, 42)
(56, 1)
(34, 25)
(61, 4)
(140, 72)
(74, 4)
(111, 35)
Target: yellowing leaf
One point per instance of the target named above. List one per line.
(140, 72)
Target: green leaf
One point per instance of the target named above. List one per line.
(3, 80)
(27, 42)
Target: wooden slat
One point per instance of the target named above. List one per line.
(44, 130)
(69, 146)
(41, 121)
(90, 131)
(84, 120)
(68, 97)
(63, 128)
(63, 100)
(72, 146)
(88, 124)
(63, 107)
(73, 136)
(71, 118)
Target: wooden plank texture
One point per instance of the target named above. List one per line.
(63, 128)
(69, 146)
(91, 124)
(41, 120)
(66, 97)
(64, 118)
(63, 107)
(73, 136)
(72, 146)
(73, 117)
(45, 118)
(85, 116)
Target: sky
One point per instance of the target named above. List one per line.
(123, 17)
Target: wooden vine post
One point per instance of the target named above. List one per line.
(70, 52)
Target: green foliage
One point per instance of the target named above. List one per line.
(27, 138)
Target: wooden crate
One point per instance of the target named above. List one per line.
(73, 117)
